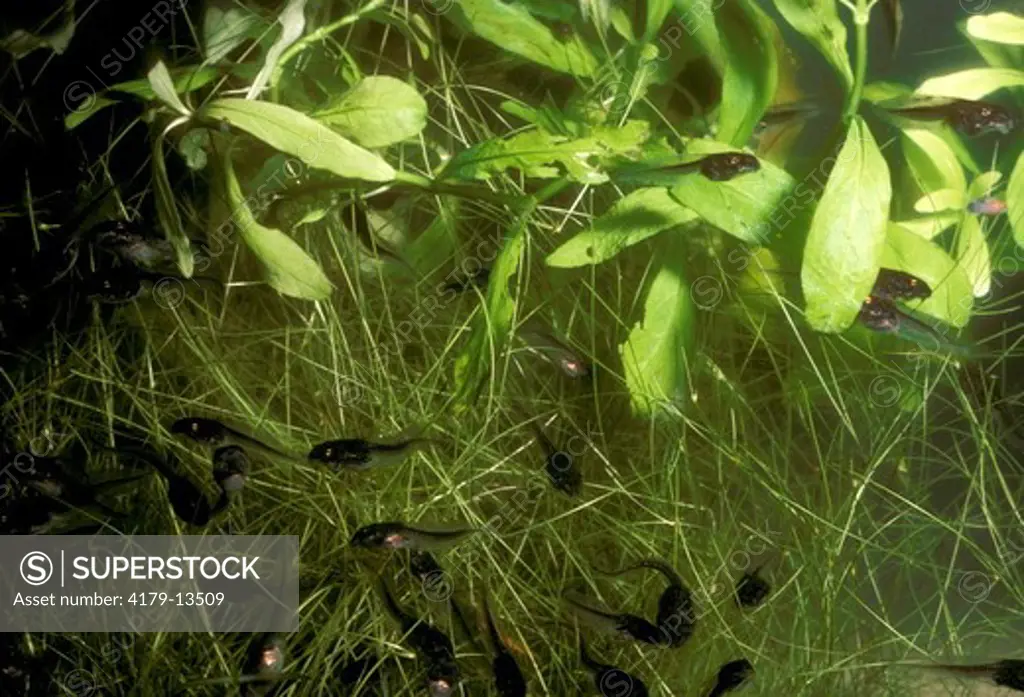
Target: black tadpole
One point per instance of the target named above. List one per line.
(752, 589)
(731, 676)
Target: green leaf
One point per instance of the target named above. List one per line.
(972, 253)
(377, 112)
(998, 27)
(951, 300)
(634, 218)
(167, 210)
(819, 22)
(435, 245)
(983, 184)
(289, 269)
(513, 28)
(972, 84)
(657, 12)
(745, 207)
(752, 71)
(186, 79)
(292, 20)
(941, 200)
(163, 87)
(932, 162)
(226, 24)
(491, 329)
(536, 152)
(930, 226)
(655, 354)
(1015, 200)
(844, 246)
(878, 92)
(296, 134)
(193, 147)
(698, 24)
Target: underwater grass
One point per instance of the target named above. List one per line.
(872, 488)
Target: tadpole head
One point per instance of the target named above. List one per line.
(377, 536)
(198, 429)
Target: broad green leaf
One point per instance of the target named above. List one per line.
(296, 134)
(698, 25)
(289, 269)
(930, 226)
(167, 210)
(163, 87)
(541, 154)
(186, 79)
(941, 200)
(657, 12)
(972, 84)
(292, 20)
(997, 55)
(844, 246)
(752, 72)
(622, 24)
(951, 300)
(226, 24)
(377, 112)
(435, 245)
(745, 207)
(634, 218)
(819, 22)
(1015, 200)
(998, 27)
(490, 329)
(932, 162)
(655, 354)
(878, 92)
(983, 184)
(513, 28)
(972, 253)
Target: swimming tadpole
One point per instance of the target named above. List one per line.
(398, 535)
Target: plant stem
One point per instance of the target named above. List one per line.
(860, 20)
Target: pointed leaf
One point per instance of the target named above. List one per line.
(844, 246)
(746, 207)
(289, 269)
(490, 329)
(226, 24)
(951, 299)
(1015, 200)
(640, 215)
(983, 184)
(163, 87)
(513, 28)
(167, 210)
(941, 200)
(377, 112)
(752, 71)
(655, 354)
(296, 134)
(293, 21)
(698, 24)
(998, 27)
(930, 226)
(819, 22)
(973, 255)
(972, 84)
(932, 161)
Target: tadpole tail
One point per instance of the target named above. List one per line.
(670, 574)
(394, 609)
(256, 443)
(492, 629)
(438, 539)
(165, 470)
(463, 622)
(586, 659)
(606, 620)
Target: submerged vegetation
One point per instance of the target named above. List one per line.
(560, 287)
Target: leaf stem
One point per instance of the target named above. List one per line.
(861, 16)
